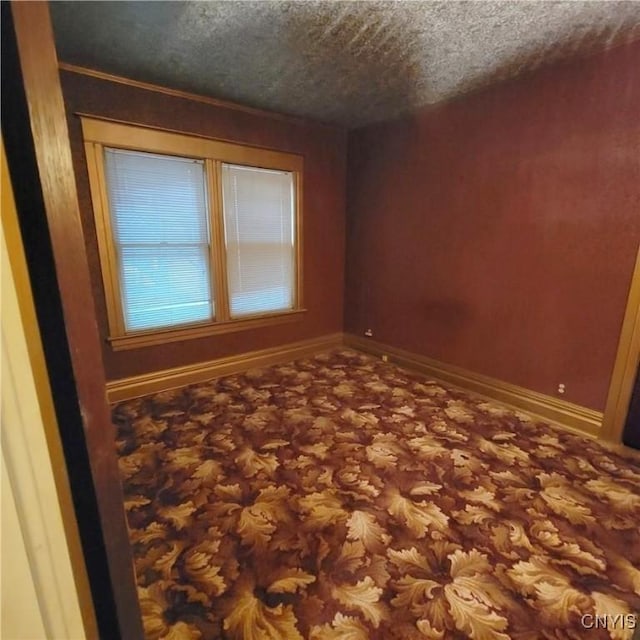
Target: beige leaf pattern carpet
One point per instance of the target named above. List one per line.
(340, 497)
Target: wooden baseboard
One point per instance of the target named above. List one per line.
(566, 414)
(136, 386)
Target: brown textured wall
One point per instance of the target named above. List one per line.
(324, 150)
(498, 232)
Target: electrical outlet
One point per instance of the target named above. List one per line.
(368, 333)
(385, 357)
(561, 388)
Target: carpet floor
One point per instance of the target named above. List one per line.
(342, 497)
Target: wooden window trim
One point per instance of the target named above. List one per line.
(99, 134)
(140, 138)
(186, 332)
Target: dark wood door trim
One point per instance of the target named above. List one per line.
(626, 363)
(39, 66)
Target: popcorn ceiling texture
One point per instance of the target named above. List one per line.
(350, 63)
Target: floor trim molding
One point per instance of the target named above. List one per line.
(136, 386)
(566, 414)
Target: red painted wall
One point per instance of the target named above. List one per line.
(498, 232)
(324, 150)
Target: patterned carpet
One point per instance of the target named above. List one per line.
(342, 497)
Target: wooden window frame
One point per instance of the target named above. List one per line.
(100, 133)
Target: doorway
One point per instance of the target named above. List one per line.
(621, 411)
(41, 173)
(631, 433)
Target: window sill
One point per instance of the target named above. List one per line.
(155, 337)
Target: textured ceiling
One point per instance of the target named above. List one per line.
(344, 62)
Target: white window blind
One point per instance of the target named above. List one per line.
(161, 236)
(260, 236)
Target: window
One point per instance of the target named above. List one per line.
(258, 224)
(196, 236)
(158, 208)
